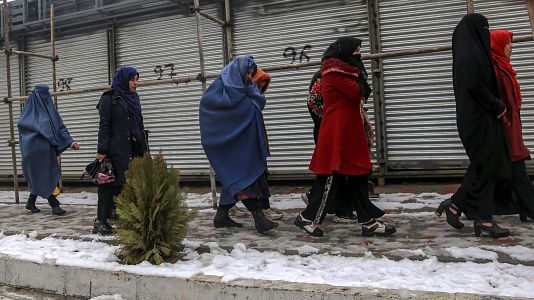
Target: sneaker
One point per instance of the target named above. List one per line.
(345, 219)
(236, 211)
(308, 226)
(376, 227)
(273, 213)
(101, 227)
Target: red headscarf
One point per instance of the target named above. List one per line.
(499, 40)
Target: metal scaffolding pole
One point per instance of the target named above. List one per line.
(10, 104)
(530, 7)
(203, 79)
(228, 31)
(54, 86)
(378, 93)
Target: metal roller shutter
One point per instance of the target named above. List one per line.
(83, 62)
(6, 166)
(171, 112)
(277, 32)
(513, 16)
(420, 114)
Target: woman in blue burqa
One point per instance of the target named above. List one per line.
(234, 139)
(43, 137)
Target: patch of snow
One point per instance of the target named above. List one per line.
(307, 250)
(472, 253)
(519, 252)
(108, 297)
(369, 271)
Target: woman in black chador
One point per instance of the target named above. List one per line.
(478, 111)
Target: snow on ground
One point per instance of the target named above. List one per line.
(368, 271)
(396, 201)
(488, 276)
(108, 297)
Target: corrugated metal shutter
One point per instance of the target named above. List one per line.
(171, 112)
(421, 130)
(266, 30)
(513, 16)
(6, 167)
(82, 63)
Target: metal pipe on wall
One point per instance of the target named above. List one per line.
(191, 78)
(10, 104)
(203, 79)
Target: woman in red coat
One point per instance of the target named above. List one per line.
(501, 50)
(341, 154)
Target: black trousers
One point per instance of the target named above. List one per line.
(105, 200)
(328, 186)
(523, 189)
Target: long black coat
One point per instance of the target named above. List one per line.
(114, 135)
(477, 108)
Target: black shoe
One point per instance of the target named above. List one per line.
(30, 205)
(222, 219)
(524, 218)
(308, 226)
(58, 211)
(452, 218)
(261, 223)
(376, 227)
(101, 227)
(114, 215)
(494, 231)
(371, 190)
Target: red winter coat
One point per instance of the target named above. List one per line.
(510, 95)
(512, 118)
(342, 143)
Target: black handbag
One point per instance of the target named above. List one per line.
(100, 172)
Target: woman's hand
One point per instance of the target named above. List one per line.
(75, 146)
(501, 114)
(100, 157)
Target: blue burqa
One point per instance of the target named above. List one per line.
(232, 129)
(43, 137)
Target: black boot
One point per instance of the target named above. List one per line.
(222, 219)
(30, 205)
(494, 231)
(101, 227)
(260, 221)
(54, 203)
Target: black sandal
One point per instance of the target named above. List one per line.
(494, 231)
(453, 218)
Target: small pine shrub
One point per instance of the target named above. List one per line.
(153, 217)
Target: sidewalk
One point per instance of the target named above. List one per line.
(421, 236)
